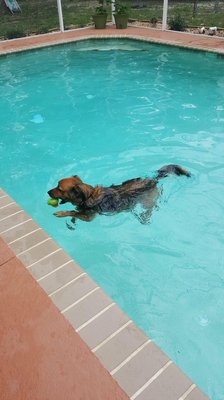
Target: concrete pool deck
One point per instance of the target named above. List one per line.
(199, 42)
(61, 335)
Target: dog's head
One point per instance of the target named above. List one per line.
(73, 190)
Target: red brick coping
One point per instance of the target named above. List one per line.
(199, 42)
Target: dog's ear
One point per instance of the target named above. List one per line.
(80, 193)
(76, 179)
(95, 197)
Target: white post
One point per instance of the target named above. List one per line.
(60, 16)
(165, 7)
(112, 11)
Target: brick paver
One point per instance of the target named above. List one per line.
(211, 43)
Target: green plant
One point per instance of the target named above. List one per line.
(177, 23)
(15, 33)
(42, 29)
(153, 21)
(120, 9)
(100, 15)
(101, 9)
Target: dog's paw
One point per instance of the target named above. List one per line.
(60, 214)
(69, 226)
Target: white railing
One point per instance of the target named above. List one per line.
(60, 16)
(61, 21)
(164, 20)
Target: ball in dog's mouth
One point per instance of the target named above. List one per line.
(52, 202)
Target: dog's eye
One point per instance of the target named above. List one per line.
(62, 191)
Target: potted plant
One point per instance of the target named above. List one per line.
(120, 15)
(100, 16)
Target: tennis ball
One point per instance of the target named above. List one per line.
(52, 202)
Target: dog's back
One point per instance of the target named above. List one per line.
(121, 197)
(125, 196)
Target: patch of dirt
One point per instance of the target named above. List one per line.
(196, 30)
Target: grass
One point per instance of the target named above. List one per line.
(41, 16)
(204, 16)
(205, 13)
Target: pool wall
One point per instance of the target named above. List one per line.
(139, 367)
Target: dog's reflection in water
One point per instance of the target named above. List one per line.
(92, 200)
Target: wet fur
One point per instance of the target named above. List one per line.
(91, 200)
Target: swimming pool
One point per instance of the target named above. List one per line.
(109, 116)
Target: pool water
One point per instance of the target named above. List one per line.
(109, 116)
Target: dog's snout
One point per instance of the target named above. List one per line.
(53, 193)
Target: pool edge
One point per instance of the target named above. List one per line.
(172, 38)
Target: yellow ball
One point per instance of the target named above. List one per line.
(52, 202)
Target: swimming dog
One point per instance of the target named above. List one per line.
(92, 200)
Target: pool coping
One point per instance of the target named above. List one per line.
(179, 39)
(132, 359)
(42, 357)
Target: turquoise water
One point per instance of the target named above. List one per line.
(116, 114)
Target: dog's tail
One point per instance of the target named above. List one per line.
(171, 169)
